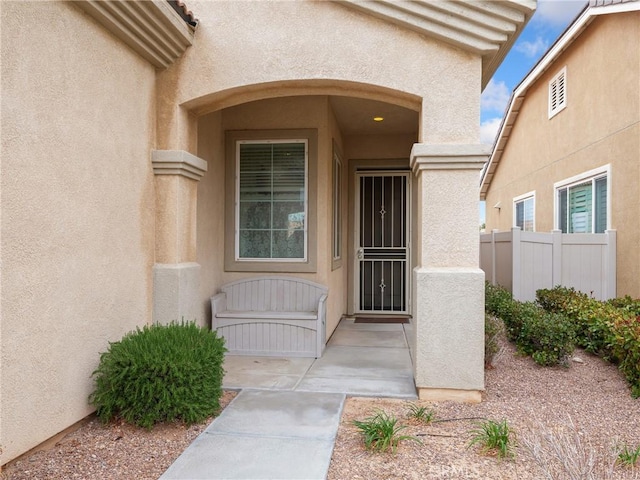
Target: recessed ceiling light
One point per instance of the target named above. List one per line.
(378, 119)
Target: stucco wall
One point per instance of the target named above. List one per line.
(251, 51)
(302, 46)
(77, 212)
(599, 126)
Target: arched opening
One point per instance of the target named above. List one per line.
(248, 209)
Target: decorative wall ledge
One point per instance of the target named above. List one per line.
(178, 162)
(151, 28)
(448, 157)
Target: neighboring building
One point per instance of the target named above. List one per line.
(567, 156)
(146, 162)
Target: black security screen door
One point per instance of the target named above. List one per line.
(382, 252)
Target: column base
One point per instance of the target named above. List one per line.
(448, 329)
(450, 394)
(176, 292)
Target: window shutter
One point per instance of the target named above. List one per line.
(558, 93)
(554, 96)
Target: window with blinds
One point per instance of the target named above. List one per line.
(582, 208)
(524, 213)
(558, 93)
(271, 206)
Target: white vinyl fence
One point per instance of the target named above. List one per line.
(524, 262)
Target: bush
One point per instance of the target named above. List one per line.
(160, 373)
(610, 329)
(560, 299)
(498, 302)
(494, 437)
(626, 304)
(625, 349)
(382, 432)
(548, 337)
(493, 328)
(590, 317)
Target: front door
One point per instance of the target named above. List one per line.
(382, 237)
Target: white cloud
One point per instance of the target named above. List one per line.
(489, 129)
(533, 49)
(495, 97)
(558, 12)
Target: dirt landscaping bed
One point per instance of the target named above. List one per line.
(591, 395)
(589, 401)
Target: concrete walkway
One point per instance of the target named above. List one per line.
(283, 423)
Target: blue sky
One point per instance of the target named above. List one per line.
(550, 19)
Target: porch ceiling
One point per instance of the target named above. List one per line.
(355, 117)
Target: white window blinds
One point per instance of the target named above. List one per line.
(272, 200)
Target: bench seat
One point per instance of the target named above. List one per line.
(271, 316)
(254, 315)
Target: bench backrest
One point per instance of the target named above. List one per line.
(273, 294)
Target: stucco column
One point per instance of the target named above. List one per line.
(448, 285)
(176, 275)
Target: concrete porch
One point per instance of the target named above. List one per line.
(361, 359)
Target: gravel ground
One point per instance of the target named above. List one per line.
(587, 404)
(584, 410)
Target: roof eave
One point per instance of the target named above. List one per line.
(153, 28)
(486, 28)
(517, 98)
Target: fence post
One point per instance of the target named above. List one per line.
(610, 271)
(556, 258)
(516, 269)
(493, 256)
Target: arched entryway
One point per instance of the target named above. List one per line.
(343, 136)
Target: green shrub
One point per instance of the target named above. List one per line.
(628, 456)
(590, 317)
(422, 413)
(548, 337)
(524, 313)
(381, 432)
(493, 437)
(609, 329)
(493, 329)
(626, 304)
(625, 349)
(560, 299)
(160, 373)
(498, 301)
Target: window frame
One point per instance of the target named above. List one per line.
(568, 183)
(560, 89)
(337, 199)
(238, 144)
(523, 198)
(232, 262)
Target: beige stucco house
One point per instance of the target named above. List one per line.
(567, 156)
(147, 161)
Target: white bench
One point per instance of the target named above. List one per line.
(271, 316)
